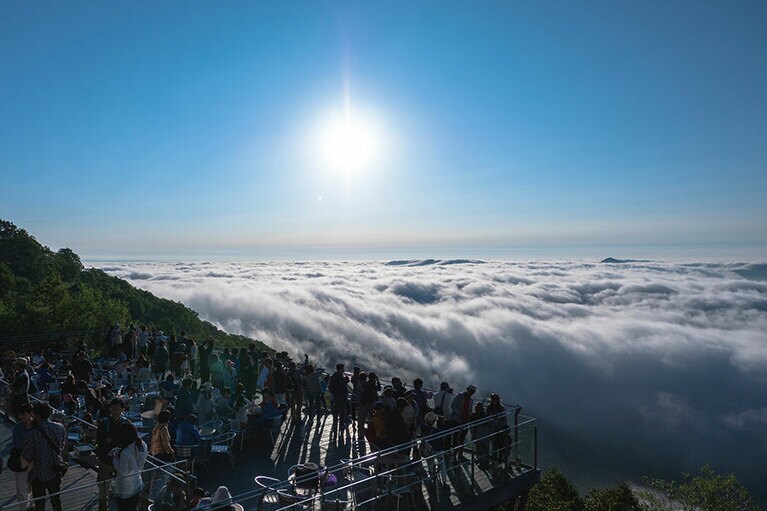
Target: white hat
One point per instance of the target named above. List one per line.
(222, 499)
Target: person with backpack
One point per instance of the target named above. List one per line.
(443, 399)
(43, 455)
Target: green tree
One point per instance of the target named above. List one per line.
(554, 493)
(68, 265)
(707, 491)
(615, 498)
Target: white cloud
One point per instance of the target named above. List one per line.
(647, 361)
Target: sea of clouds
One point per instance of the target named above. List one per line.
(632, 368)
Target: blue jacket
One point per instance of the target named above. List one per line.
(187, 434)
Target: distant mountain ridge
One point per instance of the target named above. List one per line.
(42, 291)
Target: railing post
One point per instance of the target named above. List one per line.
(473, 452)
(516, 424)
(535, 447)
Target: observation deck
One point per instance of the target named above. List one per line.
(303, 464)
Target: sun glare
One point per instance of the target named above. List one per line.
(349, 143)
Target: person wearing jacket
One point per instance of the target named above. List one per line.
(128, 459)
(106, 440)
(160, 445)
(184, 398)
(460, 412)
(43, 447)
(20, 432)
(204, 352)
(340, 390)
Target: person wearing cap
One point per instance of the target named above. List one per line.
(460, 413)
(20, 385)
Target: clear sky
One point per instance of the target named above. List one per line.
(201, 127)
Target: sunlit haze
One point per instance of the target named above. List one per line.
(357, 130)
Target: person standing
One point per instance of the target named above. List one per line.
(460, 413)
(160, 443)
(338, 386)
(160, 359)
(204, 353)
(20, 385)
(21, 476)
(42, 453)
(192, 356)
(128, 459)
(106, 440)
(265, 379)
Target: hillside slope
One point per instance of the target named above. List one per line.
(42, 291)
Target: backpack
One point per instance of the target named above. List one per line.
(439, 410)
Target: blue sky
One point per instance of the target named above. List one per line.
(187, 128)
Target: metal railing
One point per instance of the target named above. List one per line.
(83, 496)
(495, 450)
(151, 460)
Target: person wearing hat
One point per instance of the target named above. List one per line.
(20, 385)
(222, 501)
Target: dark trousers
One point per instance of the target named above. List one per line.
(39, 489)
(129, 504)
(340, 410)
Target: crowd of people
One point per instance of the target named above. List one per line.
(196, 383)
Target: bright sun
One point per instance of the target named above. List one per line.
(349, 143)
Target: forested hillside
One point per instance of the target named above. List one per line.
(42, 291)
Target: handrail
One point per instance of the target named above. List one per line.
(403, 447)
(150, 458)
(95, 484)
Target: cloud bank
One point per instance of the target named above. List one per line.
(632, 367)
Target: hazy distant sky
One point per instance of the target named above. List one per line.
(145, 127)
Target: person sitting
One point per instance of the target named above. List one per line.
(169, 387)
(187, 433)
(223, 408)
(184, 399)
(132, 399)
(222, 501)
(270, 410)
(44, 376)
(241, 404)
(172, 497)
